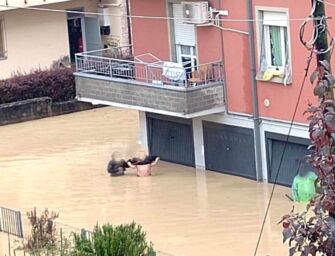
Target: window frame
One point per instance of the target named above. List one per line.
(3, 54)
(262, 31)
(267, 45)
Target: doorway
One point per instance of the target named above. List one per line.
(187, 55)
(75, 31)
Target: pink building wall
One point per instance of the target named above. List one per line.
(153, 36)
(150, 36)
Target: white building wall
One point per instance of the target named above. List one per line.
(35, 39)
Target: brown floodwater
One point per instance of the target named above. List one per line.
(60, 163)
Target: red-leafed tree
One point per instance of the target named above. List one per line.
(312, 232)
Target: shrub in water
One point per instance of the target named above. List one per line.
(123, 240)
(57, 84)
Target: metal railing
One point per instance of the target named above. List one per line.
(10, 222)
(117, 63)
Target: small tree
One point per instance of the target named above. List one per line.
(43, 231)
(315, 234)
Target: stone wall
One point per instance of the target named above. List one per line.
(177, 99)
(32, 109)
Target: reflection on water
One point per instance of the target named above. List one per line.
(60, 163)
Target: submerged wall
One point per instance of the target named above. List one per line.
(32, 109)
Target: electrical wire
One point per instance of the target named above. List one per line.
(140, 16)
(284, 150)
(319, 28)
(326, 2)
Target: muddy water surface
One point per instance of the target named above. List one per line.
(60, 163)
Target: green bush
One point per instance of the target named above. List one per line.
(123, 240)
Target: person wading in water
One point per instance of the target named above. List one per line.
(117, 166)
(143, 163)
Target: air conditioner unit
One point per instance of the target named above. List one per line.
(195, 12)
(104, 16)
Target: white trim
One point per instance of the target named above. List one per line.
(192, 55)
(275, 18)
(198, 139)
(143, 139)
(157, 111)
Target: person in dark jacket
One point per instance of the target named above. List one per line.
(117, 166)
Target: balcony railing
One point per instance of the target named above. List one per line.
(119, 63)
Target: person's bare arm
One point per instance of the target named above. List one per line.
(156, 161)
(130, 164)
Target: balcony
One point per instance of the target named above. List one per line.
(14, 4)
(115, 77)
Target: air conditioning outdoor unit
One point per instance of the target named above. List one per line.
(195, 12)
(104, 16)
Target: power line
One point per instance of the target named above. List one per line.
(141, 16)
(283, 153)
(326, 2)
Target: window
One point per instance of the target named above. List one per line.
(187, 55)
(3, 51)
(274, 50)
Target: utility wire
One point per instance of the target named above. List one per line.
(326, 2)
(141, 16)
(283, 153)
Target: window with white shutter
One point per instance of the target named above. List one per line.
(274, 59)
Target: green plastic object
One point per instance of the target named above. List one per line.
(303, 187)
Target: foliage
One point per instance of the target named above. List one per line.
(43, 231)
(57, 84)
(313, 232)
(108, 240)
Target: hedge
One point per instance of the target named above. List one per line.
(57, 84)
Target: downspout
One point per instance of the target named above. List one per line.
(224, 69)
(255, 109)
(129, 24)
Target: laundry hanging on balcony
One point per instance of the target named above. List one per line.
(174, 71)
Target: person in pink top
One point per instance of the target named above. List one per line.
(143, 164)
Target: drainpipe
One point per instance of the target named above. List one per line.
(129, 25)
(256, 119)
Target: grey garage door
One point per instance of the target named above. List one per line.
(229, 149)
(293, 159)
(171, 139)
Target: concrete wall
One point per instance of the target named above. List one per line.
(32, 109)
(178, 100)
(35, 39)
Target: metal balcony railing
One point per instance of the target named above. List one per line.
(119, 63)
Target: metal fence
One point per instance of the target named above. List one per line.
(116, 63)
(11, 222)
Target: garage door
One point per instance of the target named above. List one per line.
(293, 160)
(229, 149)
(171, 139)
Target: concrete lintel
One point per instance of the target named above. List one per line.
(152, 110)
